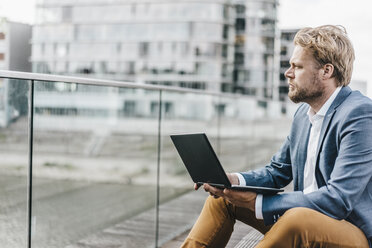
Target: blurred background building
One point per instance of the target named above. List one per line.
(221, 46)
(176, 43)
(15, 51)
(256, 52)
(286, 49)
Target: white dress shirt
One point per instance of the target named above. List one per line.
(310, 184)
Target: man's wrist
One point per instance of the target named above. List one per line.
(241, 179)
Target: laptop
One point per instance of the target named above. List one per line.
(203, 165)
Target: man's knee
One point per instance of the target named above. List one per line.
(297, 219)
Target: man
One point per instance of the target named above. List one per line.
(327, 155)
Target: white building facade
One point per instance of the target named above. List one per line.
(15, 52)
(183, 43)
(179, 43)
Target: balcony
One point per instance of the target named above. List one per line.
(89, 163)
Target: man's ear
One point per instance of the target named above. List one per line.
(327, 71)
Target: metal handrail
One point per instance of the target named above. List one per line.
(113, 83)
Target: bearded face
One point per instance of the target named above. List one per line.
(306, 92)
(304, 80)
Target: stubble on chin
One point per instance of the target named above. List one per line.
(299, 94)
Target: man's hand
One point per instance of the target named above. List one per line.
(197, 186)
(233, 178)
(245, 199)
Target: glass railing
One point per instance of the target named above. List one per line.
(81, 156)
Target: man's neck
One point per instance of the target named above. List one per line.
(317, 104)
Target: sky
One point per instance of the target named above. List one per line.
(355, 16)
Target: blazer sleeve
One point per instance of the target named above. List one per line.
(351, 173)
(277, 174)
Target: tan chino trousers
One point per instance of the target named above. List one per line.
(298, 227)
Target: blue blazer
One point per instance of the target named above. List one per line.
(343, 166)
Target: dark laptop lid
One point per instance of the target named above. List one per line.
(200, 159)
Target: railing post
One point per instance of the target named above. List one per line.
(158, 172)
(30, 152)
(219, 126)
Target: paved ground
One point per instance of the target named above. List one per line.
(66, 211)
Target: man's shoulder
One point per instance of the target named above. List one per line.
(356, 103)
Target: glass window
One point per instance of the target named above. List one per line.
(240, 9)
(143, 49)
(129, 51)
(49, 14)
(184, 67)
(240, 24)
(90, 32)
(283, 50)
(208, 31)
(206, 49)
(209, 69)
(61, 50)
(225, 33)
(129, 108)
(107, 13)
(66, 14)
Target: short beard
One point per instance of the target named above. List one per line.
(307, 94)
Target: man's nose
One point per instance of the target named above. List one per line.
(289, 73)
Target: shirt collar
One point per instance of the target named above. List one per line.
(323, 110)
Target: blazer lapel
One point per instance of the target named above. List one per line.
(342, 95)
(301, 158)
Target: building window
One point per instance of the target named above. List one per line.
(131, 68)
(66, 13)
(220, 109)
(240, 25)
(129, 108)
(154, 108)
(2, 36)
(167, 108)
(283, 50)
(224, 51)
(118, 48)
(240, 9)
(284, 64)
(282, 77)
(133, 9)
(2, 56)
(42, 48)
(144, 49)
(225, 34)
(225, 11)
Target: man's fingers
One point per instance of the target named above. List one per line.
(213, 190)
(197, 185)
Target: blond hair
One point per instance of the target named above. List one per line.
(329, 44)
